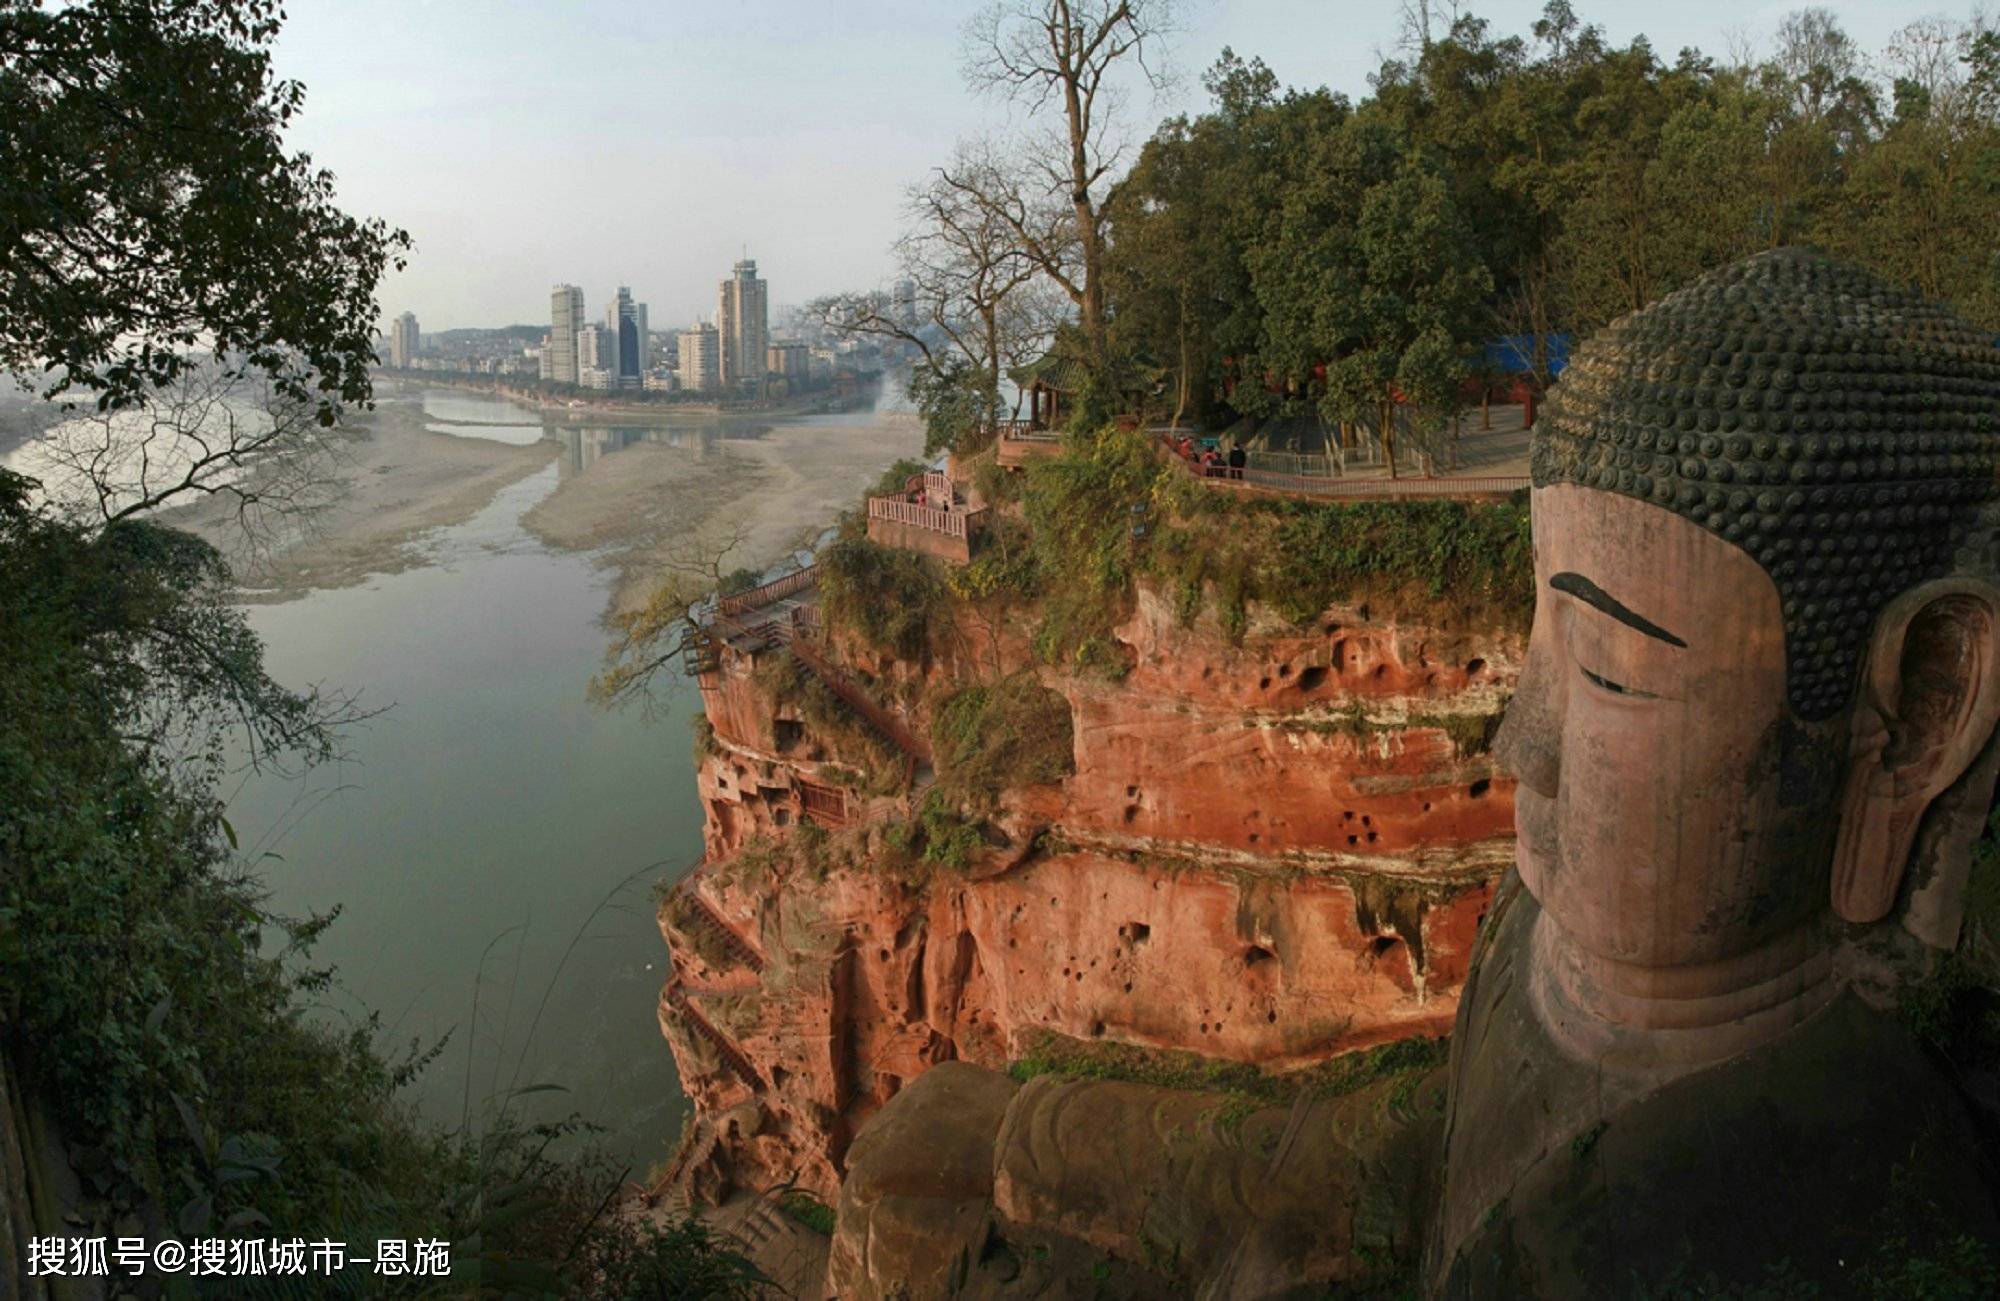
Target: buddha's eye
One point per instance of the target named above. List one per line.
(1615, 688)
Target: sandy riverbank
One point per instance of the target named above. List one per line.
(651, 507)
(643, 507)
(399, 481)
(584, 410)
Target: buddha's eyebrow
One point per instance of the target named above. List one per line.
(1591, 594)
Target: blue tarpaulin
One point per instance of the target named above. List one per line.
(1514, 354)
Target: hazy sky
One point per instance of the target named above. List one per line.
(608, 142)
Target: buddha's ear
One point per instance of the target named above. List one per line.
(1929, 700)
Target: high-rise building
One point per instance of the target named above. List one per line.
(626, 320)
(701, 359)
(404, 340)
(565, 319)
(596, 349)
(905, 305)
(791, 360)
(743, 319)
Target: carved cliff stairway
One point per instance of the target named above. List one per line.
(731, 939)
(915, 749)
(725, 1047)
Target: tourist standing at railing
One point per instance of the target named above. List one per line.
(1238, 458)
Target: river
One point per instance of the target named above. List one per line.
(493, 840)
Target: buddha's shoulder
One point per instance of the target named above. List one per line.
(1824, 1156)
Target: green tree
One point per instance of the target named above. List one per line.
(1371, 285)
(152, 214)
(1921, 200)
(1184, 219)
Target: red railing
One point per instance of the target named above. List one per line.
(725, 1047)
(775, 590)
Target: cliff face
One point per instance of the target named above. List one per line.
(1269, 853)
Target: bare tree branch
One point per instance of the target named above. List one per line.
(1069, 53)
(215, 432)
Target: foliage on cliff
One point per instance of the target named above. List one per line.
(1110, 511)
(990, 737)
(188, 1060)
(850, 739)
(1246, 1086)
(891, 598)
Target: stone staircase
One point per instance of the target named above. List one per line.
(707, 919)
(733, 1057)
(915, 748)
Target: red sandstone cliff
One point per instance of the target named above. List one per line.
(1270, 853)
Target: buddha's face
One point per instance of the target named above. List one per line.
(1671, 810)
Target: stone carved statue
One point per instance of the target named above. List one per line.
(1755, 739)
(1762, 688)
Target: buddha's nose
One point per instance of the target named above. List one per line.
(1529, 741)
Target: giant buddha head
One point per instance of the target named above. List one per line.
(1766, 645)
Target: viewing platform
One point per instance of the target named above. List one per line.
(1020, 442)
(930, 516)
(1487, 464)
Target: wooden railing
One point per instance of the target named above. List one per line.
(725, 1047)
(863, 704)
(775, 590)
(951, 523)
(750, 637)
(939, 485)
(1024, 431)
(826, 805)
(1329, 489)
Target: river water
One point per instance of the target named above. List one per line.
(493, 840)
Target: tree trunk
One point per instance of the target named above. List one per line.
(1486, 409)
(1181, 387)
(1091, 308)
(990, 414)
(1388, 436)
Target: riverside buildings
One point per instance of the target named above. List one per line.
(701, 359)
(404, 340)
(616, 354)
(565, 319)
(743, 320)
(732, 358)
(626, 322)
(596, 357)
(792, 361)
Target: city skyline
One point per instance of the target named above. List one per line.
(431, 117)
(619, 353)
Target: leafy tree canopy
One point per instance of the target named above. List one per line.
(152, 214)
(1286, 248)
